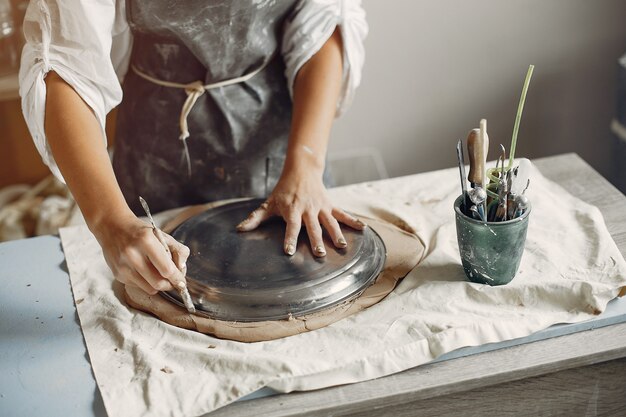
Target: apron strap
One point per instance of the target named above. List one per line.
(194, 90)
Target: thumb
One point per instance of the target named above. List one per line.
(255, 218)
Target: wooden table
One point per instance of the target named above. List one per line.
(45, 370)
(581, 374)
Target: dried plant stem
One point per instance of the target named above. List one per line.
(518, 117)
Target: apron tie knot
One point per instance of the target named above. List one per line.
(194, 91)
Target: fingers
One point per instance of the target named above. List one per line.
(347, 219)
(150, 275)
(137, 257)
(314, 230)
(313, 220)
(130, 277)
(162, 261)
(332, 227)
(255, 218)
(294, 224)
(180, 252)
(140, 270)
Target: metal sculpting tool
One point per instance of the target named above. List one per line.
(502, 203)
(522, 176)
(503, 191)
(485, 139)
(496, 172)
(476, 213)
(478, 197)
(459, 155)
(181, 286)
(521, 202)
(511, 178)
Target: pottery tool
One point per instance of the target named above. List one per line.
(521, 202)
(521, 177)
(518, 183)
(501, 212)
(460, 157)
(497, 173)
(511, 175)
(478, 196)
(485, 139)
(476, 176)
(181, 286)
(476, 213)
(492, 187)
(503, 190)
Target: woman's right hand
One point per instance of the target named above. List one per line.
(137, 257)
(130, 247)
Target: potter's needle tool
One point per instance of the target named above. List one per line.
(511, 198)
(181, 286)
(521, 202)
(459, 155)
(497, 172)
(478, 197)
(503, 190)
(485, 140)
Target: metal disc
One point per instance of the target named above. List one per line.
(236, 276)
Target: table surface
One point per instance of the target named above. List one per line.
(46, 369)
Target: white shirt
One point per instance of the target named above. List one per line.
(88, 44)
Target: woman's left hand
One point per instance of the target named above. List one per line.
(301, 198)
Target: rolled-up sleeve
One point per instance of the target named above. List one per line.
(311, 25)
(72, 38)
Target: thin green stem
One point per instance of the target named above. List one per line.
(518, 117)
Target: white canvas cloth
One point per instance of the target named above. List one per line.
(570, 270)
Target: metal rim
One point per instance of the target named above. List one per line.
(273, 294)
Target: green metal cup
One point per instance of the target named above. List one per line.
(490, 251)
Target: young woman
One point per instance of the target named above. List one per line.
(222, 99)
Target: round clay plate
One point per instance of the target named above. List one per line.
(235, 276)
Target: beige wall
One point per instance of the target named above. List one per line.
(434, 68)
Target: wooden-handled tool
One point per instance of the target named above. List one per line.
(485, 140)
(476, 154)
(477, 146)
